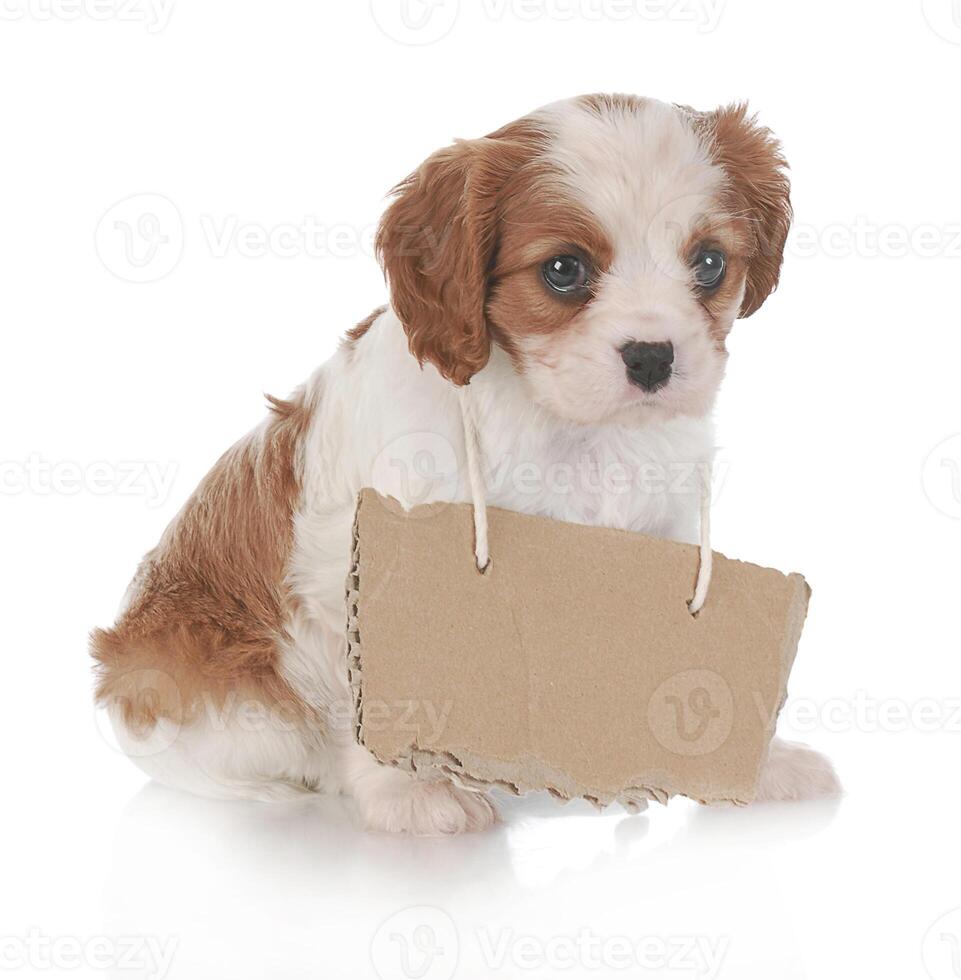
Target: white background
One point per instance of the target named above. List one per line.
(239, 119)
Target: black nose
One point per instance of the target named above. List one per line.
(648, 365)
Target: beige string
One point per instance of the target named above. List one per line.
(706, 559)
(481, 551)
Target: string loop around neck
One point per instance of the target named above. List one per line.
(481, 550)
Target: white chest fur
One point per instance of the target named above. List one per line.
(384, 422)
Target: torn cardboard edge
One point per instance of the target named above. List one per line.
(724, 672)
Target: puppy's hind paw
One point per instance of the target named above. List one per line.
(793, 771)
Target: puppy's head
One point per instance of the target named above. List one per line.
(606, 243)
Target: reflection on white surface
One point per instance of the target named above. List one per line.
(255, 890)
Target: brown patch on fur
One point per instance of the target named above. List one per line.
(735, 238)
(438, 242)
(355, 333)
(719, 301)
(758, 190)
(543, 223)
(210, 601)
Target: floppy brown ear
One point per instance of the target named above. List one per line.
(758, 188)
(436, 242)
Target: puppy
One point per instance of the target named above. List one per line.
(580, 268)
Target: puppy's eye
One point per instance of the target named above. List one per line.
(565, 273)
(709, 266)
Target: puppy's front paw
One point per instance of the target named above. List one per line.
(426, 809)
(793, 771)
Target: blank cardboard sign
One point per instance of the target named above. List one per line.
(573, 665)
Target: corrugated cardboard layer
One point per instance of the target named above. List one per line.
(573, 665)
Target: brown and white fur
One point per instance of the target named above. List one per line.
(225, 671)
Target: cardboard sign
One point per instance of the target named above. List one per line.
(573, 665)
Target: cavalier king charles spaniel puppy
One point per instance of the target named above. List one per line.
(580, 269)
